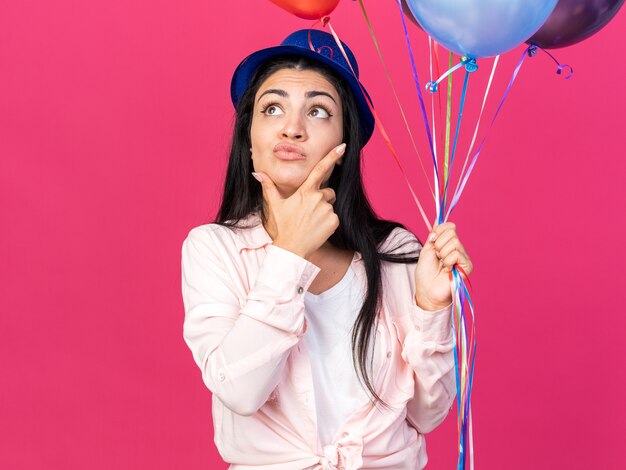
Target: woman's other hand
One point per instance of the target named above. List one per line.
(302, 222)
(442, 251)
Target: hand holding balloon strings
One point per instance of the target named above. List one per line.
(440, 254)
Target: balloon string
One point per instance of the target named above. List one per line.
(432, 114)
(465, 276)
(419, 94)
(393, 89)
(456, 135)
(465, 177)
(381, 128)
(433, 87)
(470, 66)
(448, 120)
(480, 115)
(441, 136)
(437, 71)
(441, 114)
(461, 358)
(324, 20)
(464, 354)
(461, 375)
(432, 98)
(532, 50)
(472, 362)
(464, 362)
(471, 437)
(455, 329)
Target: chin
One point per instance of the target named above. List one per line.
(288, 187)
(288, 179)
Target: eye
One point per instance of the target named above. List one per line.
(320, 112)
(272, 110)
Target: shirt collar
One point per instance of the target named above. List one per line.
(254, 236)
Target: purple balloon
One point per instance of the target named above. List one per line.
(573, 21)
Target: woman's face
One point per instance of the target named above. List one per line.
(297, 120)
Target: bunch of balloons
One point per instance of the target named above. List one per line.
(485, 28)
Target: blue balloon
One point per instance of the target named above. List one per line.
(481, 28)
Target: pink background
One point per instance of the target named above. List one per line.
(114, 125)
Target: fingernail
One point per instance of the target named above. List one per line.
(258, 177)
(431, 237)
(341, 149)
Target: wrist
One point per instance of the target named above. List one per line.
(294, 249)
(428, 305)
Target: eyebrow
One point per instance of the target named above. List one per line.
(284, 94)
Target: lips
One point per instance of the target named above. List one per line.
(286, 151)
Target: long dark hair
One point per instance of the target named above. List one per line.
(359, 227)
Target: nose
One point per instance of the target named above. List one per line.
(294, 128)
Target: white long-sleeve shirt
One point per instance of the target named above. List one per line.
(244, 323)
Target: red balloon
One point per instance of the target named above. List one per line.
(308, 9)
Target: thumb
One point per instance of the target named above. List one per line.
(428, 251)
(269, 188)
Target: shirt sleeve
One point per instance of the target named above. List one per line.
(241, 343)
(429, 349)
(427, 345)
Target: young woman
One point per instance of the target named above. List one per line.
(322, 331)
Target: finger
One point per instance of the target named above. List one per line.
(448, 249)
(457, 258)
(439, 229)
(323, 167)
(443, 239)
(329, 195)
(449, 261)
(269, 188)
(453, 244)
